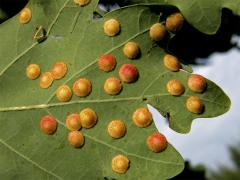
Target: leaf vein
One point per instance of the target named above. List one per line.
(29, 160)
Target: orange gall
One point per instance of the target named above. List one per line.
(157, 142)
(73, 122)
(111, 27)
(82, 87)
(197, 83)
(81, 2)
(112, 86)
(64, 93)
(128, 73)
(116, 129)
(131, 50)
(59, 70)
(88, 118)
(120, 164)
(107, 62)
(33, 71)
(157, 32)
(25, 15)
(48, 124)
(174, 22)
(76, 139)
(175, 88)
(195, 105)
(46, 80)
(171, 62)
(142, 117)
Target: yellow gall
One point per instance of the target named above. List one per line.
(88, 118)
(59, 70)
(116, 129)
(46, 80)
(48, 124)
(82, 87)
(81, 2)
(107, 62)
(64, 93)
(157, 142)
(120, 164)
(174, 22)
(25, 15)
(33, 71)
(111, 27)
(76, 139)
(142, 117)
(194, 105)
(197, 83)
(112, 86)
(175, 88)
(157, 32)
(131, 50)
(73, 122)
(171, 62)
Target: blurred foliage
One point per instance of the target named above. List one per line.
(191, 173)
(226, 173)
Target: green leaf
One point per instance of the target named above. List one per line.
(74, 37)
(204, 15)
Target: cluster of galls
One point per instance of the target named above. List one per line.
(142, 118)
(128, 73)
(87, 118)
(196, 83)
(57, 72)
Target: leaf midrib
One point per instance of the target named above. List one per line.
(45, 106)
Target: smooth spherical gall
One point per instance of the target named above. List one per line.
(116, 129)
(48, 124)
(194, 105)
(64, 93)
(174, 22)
(157, 142)
(76, 139)
(120, 164)
(107, 62)
(171, 62)
(157, 32)
(33, 71)
(25, 15)
(73, 122)
(59, 70)
(175, 88)
(46, 80)
(197, 83)
(112, 86)
(88, 118)
(128, 73)
(82, 87)
(111, 27)
(81, 2)
(131, 50)
(142, 117)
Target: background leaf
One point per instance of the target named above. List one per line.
(78, 40)
(204, 15)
